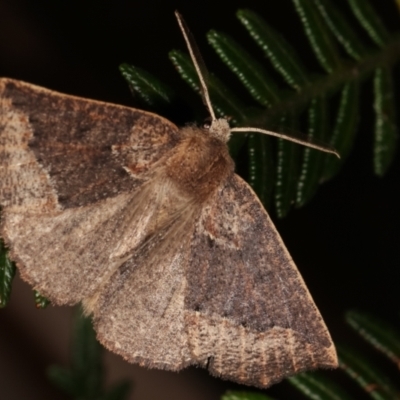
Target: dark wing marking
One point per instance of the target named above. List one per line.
(247, 307)
(60, 150)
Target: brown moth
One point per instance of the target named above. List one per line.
(169, 250)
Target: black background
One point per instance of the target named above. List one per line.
(345, 241)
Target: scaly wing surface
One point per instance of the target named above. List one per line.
(77, 187)
(59, 151)
(248, 313)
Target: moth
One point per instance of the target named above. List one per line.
(150, 228)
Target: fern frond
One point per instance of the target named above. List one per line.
(281, 55)
(287, 169)
(313, 160)
(386, 134)
(328, 31)
(341, 29)
(248, 70)
(366, 374)
(341, 72)
(40, 301)
(261, 172)
(317, 386)
(150, 90)
(377, 332)
(318, 35)
(344, 131)
(7, 273)
(370, 21)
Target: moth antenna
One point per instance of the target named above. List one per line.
(221, 128)
(198, 63)
(287, 137)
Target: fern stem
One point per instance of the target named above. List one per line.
(349, 72)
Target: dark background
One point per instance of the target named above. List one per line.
(345, 241)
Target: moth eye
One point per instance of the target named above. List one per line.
(121, 172)
(207, 122)
(196, 307)
(209, 361)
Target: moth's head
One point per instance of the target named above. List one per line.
(220, 129)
